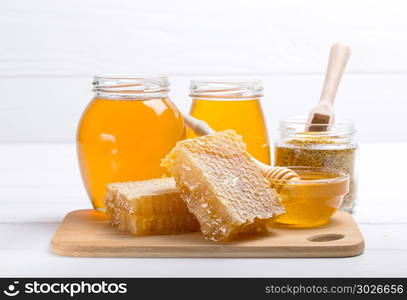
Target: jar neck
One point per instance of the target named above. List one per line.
(226, 89)
(340, 132)
(131, 87)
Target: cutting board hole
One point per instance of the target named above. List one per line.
(326, 237)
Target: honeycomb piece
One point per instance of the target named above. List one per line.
(148, 207)
(152, 225)
(221, 185)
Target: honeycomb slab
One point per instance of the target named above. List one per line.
(148, 207)
(221, 185)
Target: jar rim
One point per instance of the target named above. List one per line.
(131, 86)
(341, 176)
(297, 124)
(226, 87)
(130, 76)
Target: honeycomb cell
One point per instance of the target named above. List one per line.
(221, 185)
(148, 207)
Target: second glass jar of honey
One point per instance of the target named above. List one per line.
(232, 104)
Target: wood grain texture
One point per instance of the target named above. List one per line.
(83, 37)
(27, 253)
(87, 233)
(50, 50)
(32, 207)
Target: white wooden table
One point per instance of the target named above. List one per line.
(40, 183)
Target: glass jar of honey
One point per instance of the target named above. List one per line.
(232, 104)
(332, 147)
(125, 131)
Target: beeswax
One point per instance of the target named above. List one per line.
(148, 207)
(221, 185)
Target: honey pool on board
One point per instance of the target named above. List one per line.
(312, 200)
(243, 116)
(125, 140)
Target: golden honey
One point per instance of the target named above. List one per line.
(334, 148)
(313, 199)
(124, 134)
(148, 207)
(233, 105)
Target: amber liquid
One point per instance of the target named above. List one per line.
(311, 204)
(244, 116)
(125, 140)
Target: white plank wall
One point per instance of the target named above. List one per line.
(49, 51)
(47, 110)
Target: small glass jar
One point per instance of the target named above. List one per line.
(333, 147)
(226, 103)
(125, 131)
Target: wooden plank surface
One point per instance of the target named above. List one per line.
(87, 233)
(40, 172)
(33, 176)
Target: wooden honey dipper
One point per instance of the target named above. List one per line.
(322, 115)
(200, 128)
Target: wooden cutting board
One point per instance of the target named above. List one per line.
(87, 233)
